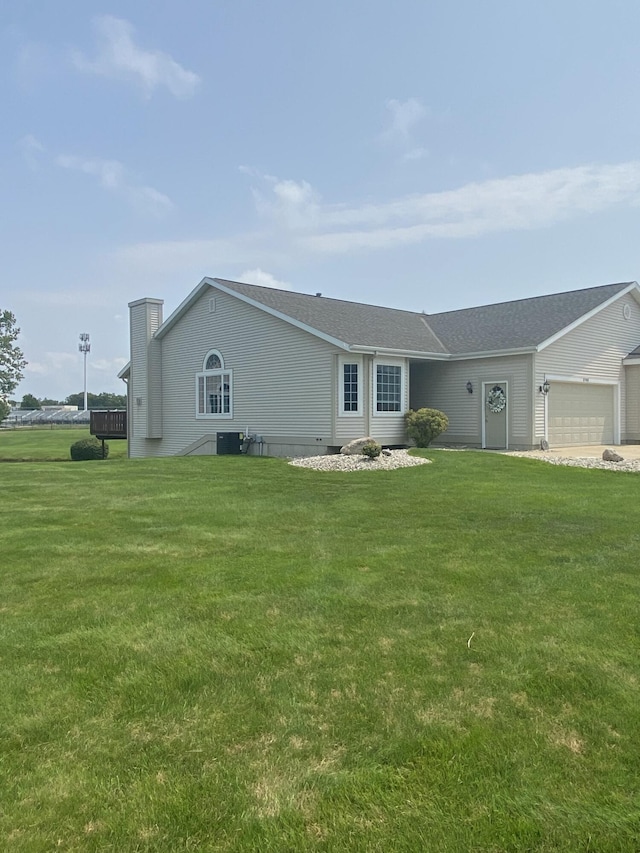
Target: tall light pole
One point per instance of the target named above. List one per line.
(84, 347)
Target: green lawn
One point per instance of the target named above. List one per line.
(40, 444)
(233, 654)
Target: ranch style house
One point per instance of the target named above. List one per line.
(274, 372)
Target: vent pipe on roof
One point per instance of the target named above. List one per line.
(318, 294)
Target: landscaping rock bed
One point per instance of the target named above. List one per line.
(628, 465)
(338, 462)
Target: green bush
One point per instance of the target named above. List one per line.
(88, 448)
(424, 425)
(371, 449)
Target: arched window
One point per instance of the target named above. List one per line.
(213, 388)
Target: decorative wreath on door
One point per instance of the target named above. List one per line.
(496, 400)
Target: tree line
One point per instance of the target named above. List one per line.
(105, 400)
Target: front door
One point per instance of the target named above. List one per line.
(494, 434)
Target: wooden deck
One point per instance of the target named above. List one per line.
(108, 425)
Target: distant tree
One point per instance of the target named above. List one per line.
(11, 359)
(77, 400)
(48, 402)
(105, 400)
(30, 402)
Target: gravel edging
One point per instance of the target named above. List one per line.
(402, 459)
(357, 462)
(630, 466)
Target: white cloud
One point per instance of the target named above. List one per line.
(120, 58)
(171, 257)
(415, 154)
(403, 120)
(52, 364)
(112, 176)
(294, 204)
(32, 150)
(519, 202)
(66, 363)
(405, 115)
(515, 203)
(111, 366)
(263, 278)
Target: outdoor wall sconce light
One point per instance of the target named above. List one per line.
(469, 387)
(544, 388)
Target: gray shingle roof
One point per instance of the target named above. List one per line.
(520, 324)
(351, 322)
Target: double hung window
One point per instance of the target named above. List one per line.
(388, 388)
(214, 388)
(350, 388)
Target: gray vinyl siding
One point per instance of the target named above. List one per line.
(145, 376)
(592, 351)
(282, 376)
(632, 384)
(442, 386)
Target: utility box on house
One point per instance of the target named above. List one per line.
(229, 443)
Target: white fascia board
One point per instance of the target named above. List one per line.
(463, 356)
(125, 371)
(401, 353)
(631, 359)
(274, 313)
(442, 356)
(633, 288)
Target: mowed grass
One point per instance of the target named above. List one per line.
(235, 654)
(44, 444)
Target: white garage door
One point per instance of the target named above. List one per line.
(580, 414)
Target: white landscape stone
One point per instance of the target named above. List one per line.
(340, 462)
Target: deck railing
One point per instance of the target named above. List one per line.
(108, 424)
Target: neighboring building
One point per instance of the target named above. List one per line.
(304, 374)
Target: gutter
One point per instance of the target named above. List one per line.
(439, 356)
(403, 353)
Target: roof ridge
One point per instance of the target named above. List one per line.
(314, 296)
(620, 284)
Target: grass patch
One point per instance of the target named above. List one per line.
(234, 654)
(48, 444)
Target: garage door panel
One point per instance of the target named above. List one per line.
(580, 414)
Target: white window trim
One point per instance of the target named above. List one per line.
(222, 371)
(211, 352)
(391, 362)
(341, 364)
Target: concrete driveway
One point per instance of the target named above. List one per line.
(592, 451)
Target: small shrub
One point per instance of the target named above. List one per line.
(371, 449)
(88, 448)
(424, 425)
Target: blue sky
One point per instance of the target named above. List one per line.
(414, 154)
